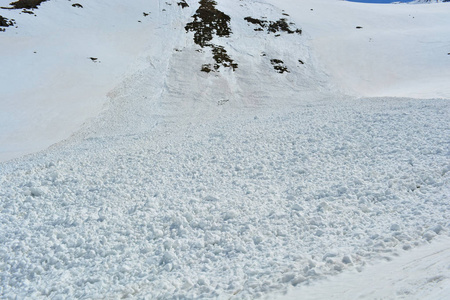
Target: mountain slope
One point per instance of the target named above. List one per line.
(213, 153)
(380, 49)
(56, 87)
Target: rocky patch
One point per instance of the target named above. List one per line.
(272, 26)
(25, 4)
(4, 22)
(279, 66)
(209, 22)
(183, 4)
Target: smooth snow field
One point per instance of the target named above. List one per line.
(235, 149)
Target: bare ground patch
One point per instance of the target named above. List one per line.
(273, 26)
(25, 4)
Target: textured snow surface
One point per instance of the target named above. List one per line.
(422, 273)
(227, 208)
(223, 185)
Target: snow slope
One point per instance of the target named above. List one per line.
(49, 84)
(401, 49)
(229, 184)
(422, 273)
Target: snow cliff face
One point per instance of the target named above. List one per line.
(214, 149)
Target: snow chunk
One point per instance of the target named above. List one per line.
(230, 215)
(395, 227)
(38, 191)
(297, 207)
(347, 260)
(287, 277)
(167, 258)
(437, 229)
(319, 232)
(211, 198)
(429, 235)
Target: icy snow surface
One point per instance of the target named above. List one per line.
(229, 184)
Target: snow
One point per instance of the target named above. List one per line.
(401, 50)
(422, 273)
(49, 86)
(166, 182)
(252, 206)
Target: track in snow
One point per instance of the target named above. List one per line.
(423, 273)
